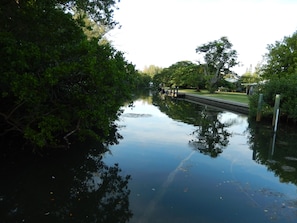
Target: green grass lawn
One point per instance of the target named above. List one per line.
(230, 96)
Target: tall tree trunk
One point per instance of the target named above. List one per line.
(215, 79)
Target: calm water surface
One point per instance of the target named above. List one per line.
(190, 163)
(169, 161)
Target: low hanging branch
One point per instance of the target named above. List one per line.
(10, 121)
(70, 133)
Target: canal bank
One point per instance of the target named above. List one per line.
(224, 104)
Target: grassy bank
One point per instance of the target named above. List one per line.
(230, 96)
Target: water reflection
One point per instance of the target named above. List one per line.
(231, 188)
(72, 186)
(168, 148)
(277, 150)
(211, 134)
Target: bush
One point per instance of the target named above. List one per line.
(286, 87)
(54, 80)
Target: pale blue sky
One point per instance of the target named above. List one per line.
(163, 32)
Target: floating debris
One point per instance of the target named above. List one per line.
(272, 161)
(288, 168)
(283, 143)
(291, 158)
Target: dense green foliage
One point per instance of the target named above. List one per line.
(280, 73)
(56, 81)
(181, 74)
(219, 58)
(152, 70)
(286, 87)
(250, 77)
(281, 59)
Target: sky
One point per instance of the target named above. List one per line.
(163, 32)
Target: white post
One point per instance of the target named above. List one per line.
(276, 119)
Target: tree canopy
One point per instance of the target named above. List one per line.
(280, 74)
(55, 81)
(181, 74)
(152, 70)
(219, 58)
(281, 59)
(251, 77)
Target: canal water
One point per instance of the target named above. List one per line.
(169, 161)
(194, 163)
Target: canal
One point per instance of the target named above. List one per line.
(169, 161)
(193, 163)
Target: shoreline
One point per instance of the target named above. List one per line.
(219, 103)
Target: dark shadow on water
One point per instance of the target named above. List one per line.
(72, 185)
(277, 151)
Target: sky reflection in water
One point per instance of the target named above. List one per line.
(172, 182)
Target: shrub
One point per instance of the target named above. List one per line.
(286, 87)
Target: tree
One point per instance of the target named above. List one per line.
(218, 57)
(91, 28)
(100, 11)
(152, 70)
(280, 73)
(186, 74)
(163, 78)
(56, 82)
(250, 78)
(281, 59)
(142, 81)
(181, 74)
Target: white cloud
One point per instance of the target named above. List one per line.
(163, 32)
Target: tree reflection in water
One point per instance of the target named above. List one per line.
(98, 194)
(76, 188)
(277, 151)
(211, 135)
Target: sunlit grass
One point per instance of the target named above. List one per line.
(230, 96)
